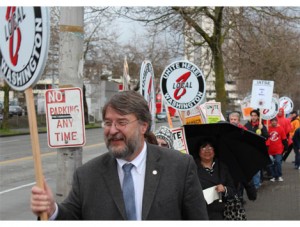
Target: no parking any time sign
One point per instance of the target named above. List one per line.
(65, 117)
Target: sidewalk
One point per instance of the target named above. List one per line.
(277, 200)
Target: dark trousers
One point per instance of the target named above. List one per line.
(287, 153)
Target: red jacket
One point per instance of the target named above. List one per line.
(275, 140)
(286, 124)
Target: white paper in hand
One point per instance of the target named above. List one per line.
(210, 194)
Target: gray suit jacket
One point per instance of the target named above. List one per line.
(174, 193)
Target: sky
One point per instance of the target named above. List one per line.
(152, 3)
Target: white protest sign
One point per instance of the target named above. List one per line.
(261, 95)
(179, 142)
(147, 88)
(268, 114)
(246, 108)
(213, 112)
(193, 116)
(24, 44)
(287, 104)
(182, 85)
(65, 117)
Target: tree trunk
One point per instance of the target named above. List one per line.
(220, 80)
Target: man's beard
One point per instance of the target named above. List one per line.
(130, 147)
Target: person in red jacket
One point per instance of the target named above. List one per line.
(285, 123)
(277, 144)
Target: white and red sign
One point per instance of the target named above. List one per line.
(24, 43)
(213, 112)
(65, 117)
(268, 114)
(179, 142)
(287, 104)
(262, 93)
(182, 85)
(147, 88)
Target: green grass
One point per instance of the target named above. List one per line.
(10, 132)
(14, 132)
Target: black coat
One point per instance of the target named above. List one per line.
(264, 131)
(219, 175)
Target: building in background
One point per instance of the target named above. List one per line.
(202, 57)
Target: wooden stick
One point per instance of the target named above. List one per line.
(169, 117)
(182, 116)
(35, 142)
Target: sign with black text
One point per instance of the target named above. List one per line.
(182, 85)
(179, 141)
(147, 88)
(65, 117)
(287, 104)
(268, 114)
(24, 44)
(262, 93)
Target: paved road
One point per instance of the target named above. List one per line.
(278, 200)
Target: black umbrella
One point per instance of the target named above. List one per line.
(244, 152)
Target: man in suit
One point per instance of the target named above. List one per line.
(165, 182)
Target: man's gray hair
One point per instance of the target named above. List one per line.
(235, 114)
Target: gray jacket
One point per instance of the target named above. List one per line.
(174, 193)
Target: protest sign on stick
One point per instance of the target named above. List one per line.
(24, 50)
(261, 96)
(147, 88)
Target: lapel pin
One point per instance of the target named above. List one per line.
(154, 172)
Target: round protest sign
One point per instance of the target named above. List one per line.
(287, 104)
(24, 44)
(147, 88)
(182, 85)
(268, 114)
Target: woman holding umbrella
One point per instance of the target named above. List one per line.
(213, 173)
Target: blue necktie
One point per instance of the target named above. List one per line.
(128, 192)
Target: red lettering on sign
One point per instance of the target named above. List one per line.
(149, 94)
(13, 51)
(181, 80)
(65, 136)
(55, 97)
(64, 123)
(284, 104)
(265, 111)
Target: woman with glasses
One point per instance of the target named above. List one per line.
(213, 173)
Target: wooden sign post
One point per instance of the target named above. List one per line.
(34, 136)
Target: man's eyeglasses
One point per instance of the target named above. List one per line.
(207, 148)
(120, 125)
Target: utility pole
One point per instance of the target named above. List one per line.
(70, 75)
